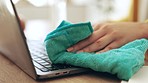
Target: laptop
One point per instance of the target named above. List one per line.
(29, 56)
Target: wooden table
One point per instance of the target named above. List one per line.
(10, 73)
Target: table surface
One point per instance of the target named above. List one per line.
(10, 73)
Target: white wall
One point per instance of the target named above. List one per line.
(74, 13)
(31, 13)
(52, 13)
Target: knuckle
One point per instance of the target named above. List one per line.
(114, 32)
(117, 43)
(110, 47)
(98, 41)
(107, 27)
(98, 45)
(87, 49)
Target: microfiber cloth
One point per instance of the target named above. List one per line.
(124, 61)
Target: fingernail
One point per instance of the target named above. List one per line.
(80, 51)
(98, 52)
(70, 49)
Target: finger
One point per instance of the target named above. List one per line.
(113, 45)
(98, 26)
(99, 44)
(96, 35)
(104, 50)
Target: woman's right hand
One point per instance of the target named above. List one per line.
(109, 36)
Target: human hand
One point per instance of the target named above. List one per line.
(22, 21)
(107, 36)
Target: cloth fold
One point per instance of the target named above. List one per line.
(124, 61)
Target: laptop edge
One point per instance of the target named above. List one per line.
(18, 47)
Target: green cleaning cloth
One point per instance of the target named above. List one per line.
(124, 61)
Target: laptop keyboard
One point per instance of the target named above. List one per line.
(40, 58)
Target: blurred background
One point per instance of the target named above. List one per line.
(49, 13)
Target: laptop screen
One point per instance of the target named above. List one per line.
(12, 41)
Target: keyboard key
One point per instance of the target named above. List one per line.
(45, 69)
(40, 58)
(38, 65)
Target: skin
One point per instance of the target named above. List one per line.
(22, 22)
(107, 36)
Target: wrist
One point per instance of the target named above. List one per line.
(144, 28)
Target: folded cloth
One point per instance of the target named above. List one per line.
(124, 61)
